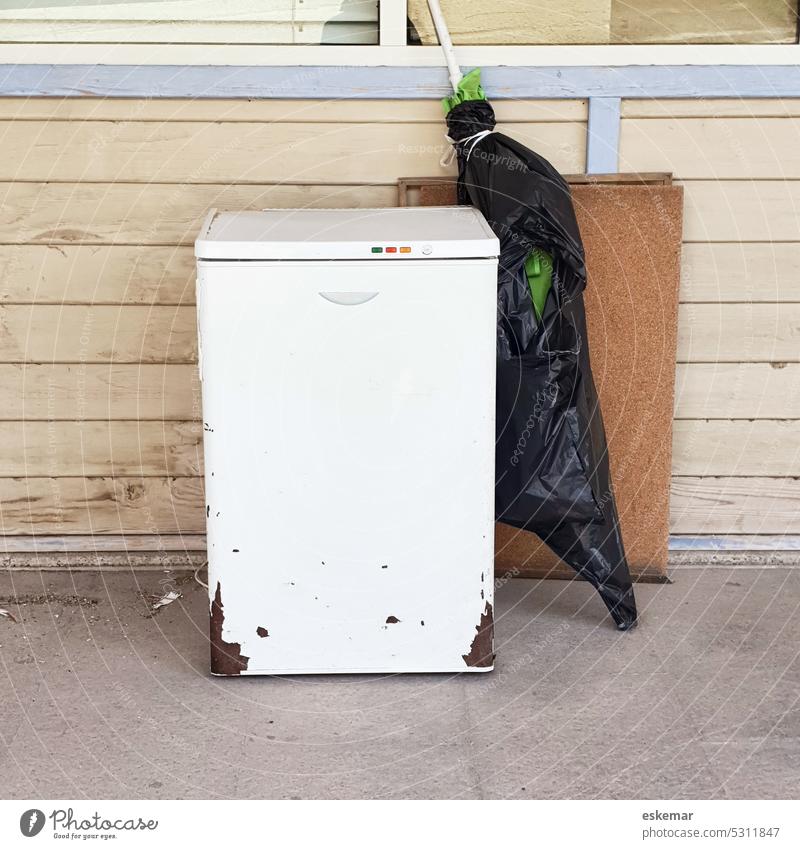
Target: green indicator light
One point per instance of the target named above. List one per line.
(377, 250)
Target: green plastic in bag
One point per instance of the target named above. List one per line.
(468, 89)
(539, 271)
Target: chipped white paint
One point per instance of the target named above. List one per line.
(349, 447)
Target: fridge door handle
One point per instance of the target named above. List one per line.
(348, 299)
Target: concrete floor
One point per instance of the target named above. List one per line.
(100, 700)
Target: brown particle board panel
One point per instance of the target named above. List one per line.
(631, 226)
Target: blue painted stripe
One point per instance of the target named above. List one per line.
(364, 82)
(602, 135)
(766, 542)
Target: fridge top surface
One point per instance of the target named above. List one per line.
(441, 232)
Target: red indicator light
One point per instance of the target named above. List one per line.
(391, 250)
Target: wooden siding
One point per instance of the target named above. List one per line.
(99, 397)
(100, 201)
(736, 449)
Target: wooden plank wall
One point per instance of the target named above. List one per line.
(100, 202)
(736, 453)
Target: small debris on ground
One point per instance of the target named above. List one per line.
(7, 614)
(49, 598)
(166, 599)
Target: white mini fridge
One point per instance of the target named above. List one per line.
(347, 360)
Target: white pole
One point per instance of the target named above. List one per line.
(444, 40)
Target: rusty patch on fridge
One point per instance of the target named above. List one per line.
(392, 620)
(262, 631)
(226, 658)
(481, 652)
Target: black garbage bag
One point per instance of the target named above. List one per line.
(551, 454)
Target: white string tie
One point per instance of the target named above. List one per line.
(450, 155)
